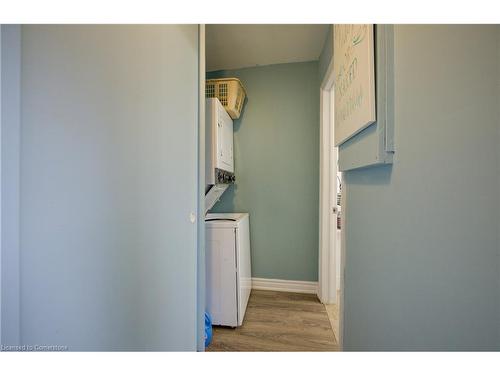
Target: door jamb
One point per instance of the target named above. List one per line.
(327, 281)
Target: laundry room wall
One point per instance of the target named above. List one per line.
(326, 54)
(276, 143)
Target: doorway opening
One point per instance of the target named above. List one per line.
(276, 184)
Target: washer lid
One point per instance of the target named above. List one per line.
(229, 220)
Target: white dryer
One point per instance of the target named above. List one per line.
(219, 158)
(228, 267)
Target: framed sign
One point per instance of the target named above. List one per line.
(354, 71)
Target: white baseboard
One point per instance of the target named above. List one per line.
(310, 287)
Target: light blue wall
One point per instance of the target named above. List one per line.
(277, 168)
(326, 54)
(498, 164)
(10, 158)
(108, 181)
(422, 245)
(0, 186)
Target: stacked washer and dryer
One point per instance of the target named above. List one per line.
(227, 236)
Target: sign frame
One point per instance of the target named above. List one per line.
(354, 71)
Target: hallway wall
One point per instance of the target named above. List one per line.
(422, 245)
(107, 250)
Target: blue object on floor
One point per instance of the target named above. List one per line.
(208, 329)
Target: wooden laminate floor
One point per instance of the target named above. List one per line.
(278, 321)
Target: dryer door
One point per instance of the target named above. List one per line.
(225, 158)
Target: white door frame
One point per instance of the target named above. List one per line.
(327, 205)
(329, 282)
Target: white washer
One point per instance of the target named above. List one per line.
(228, 267)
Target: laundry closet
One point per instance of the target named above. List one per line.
(262, 163)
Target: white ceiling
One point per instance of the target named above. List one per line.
(241, 46)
